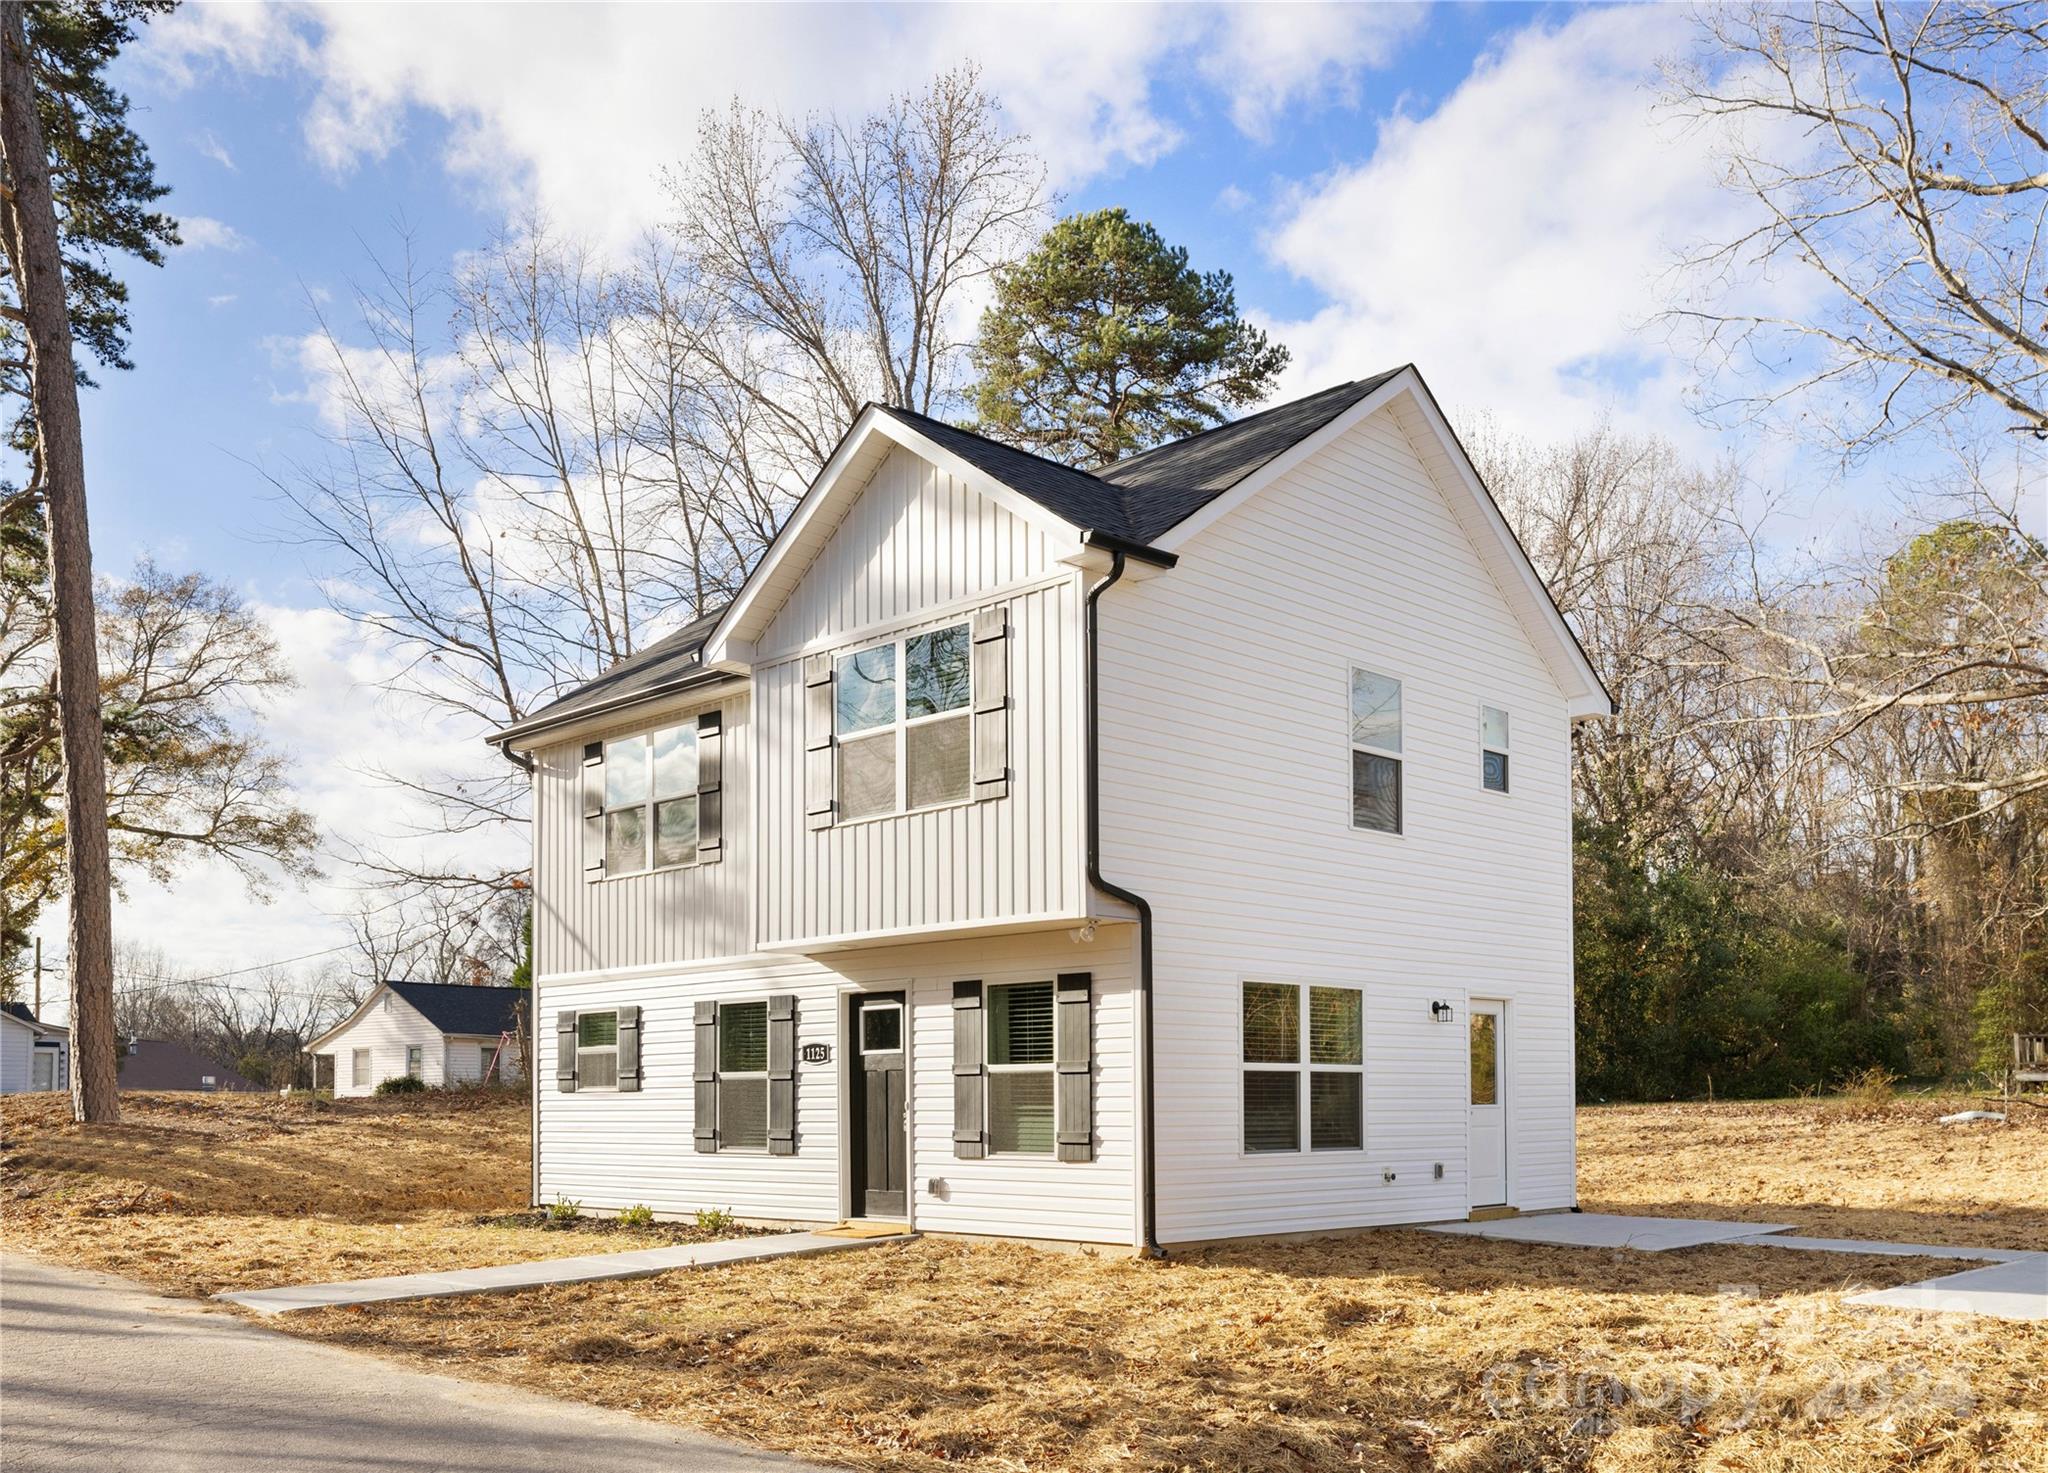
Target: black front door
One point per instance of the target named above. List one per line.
(875, 1067)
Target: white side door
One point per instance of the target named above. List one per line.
(1486, 1128)
(43, 1069)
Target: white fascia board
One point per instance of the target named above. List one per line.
(361, 1012)
(640, 710)
(859, 451)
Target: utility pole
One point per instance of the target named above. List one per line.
(39, 979)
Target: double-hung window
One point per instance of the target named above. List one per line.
(1493, 749)
(597, 1050)
(650, 801)
(358, 1067)
(415, 1058)
(903, 713)
(1020, 1069)
(1375, 752)
(743, 1076)
(1285, 1084)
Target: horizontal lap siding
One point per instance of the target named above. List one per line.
(610, 1150)
(978, 861)
(671, 917)
(386, 1032)
(1242, 839)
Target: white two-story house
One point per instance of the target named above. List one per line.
(1169, 853)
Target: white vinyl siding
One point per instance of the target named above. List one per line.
(610, 1150)
(1353, 560)
(671, 916)
(388, 1034)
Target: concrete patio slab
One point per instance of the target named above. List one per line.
(505, 1277)
(2017, 1290)
(1604, 1230)
(1891, 1250)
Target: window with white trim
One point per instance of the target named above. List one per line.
(1493, 749)
(486, 1053)
(743, 1076)
(597, 1050)
(1375, 752)
(650, 801)
(903, 717)
(1020, 1069)
(358, 1067)
(1285, 1085)
(415, 1059)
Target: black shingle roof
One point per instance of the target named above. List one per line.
(661, 666)
(456, 1009)
(1136, 499)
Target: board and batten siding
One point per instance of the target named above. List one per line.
(609, 1150)
(668, 917)
(917, 550)
(914, 539)
(1226, 792)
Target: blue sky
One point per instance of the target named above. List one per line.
(1481, 189)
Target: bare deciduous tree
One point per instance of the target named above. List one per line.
(1897, 157)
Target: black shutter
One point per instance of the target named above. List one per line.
(629, 1048)
(991, 702)
(782, 1074)
(593, 810)
(705, 1070)
(710, 790)
(1074, 1099)
(565, 1052)
(818, 741)
(970, 1074)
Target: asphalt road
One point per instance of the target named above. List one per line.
(98, 1373)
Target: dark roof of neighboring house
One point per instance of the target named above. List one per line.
(157, 1063)
(21, 1010)
(454, 1008)
(1135, 500)
(660, 667)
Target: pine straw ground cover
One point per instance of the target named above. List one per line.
(1389, 1350)
(196, 1194)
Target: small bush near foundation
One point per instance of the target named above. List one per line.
(715, 1220)
(638, 1216)
(563, 1210)
(403, 1084)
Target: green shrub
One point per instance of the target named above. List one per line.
(715, 1220)
(563, 1210)
(638, 1216)
(403, 1084)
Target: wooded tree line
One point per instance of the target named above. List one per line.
(1811, 840)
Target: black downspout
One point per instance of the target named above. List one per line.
(1130, 897)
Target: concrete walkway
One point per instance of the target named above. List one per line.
(503, 1278)
(102, 1374)
(2014, 1285)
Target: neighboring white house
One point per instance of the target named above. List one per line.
(1173, 852)
(33, 1055)
(440, 1033)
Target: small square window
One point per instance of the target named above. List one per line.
(1493, 770)
(881, 1029)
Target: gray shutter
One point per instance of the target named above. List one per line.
(970, 1074)
(565, 1052)
(1073, 1100)
(705, 1125)
(593, 810)
(782, 1074)
(710, 790)
(629, 1048)
(992, 702)
(818, 741)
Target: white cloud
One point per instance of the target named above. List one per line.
(204, 233)
(222, 300)
(1265, 58)
(581, 117)
(1511, 242)
(211, 147)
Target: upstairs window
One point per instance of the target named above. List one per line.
(1493, 749)
(650, 801)
(902, 713)
(1375, 752)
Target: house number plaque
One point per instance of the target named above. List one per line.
(817, 1053)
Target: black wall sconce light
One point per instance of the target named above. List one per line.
(1441, 1011)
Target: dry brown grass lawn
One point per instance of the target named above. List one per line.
(1392, 1350)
